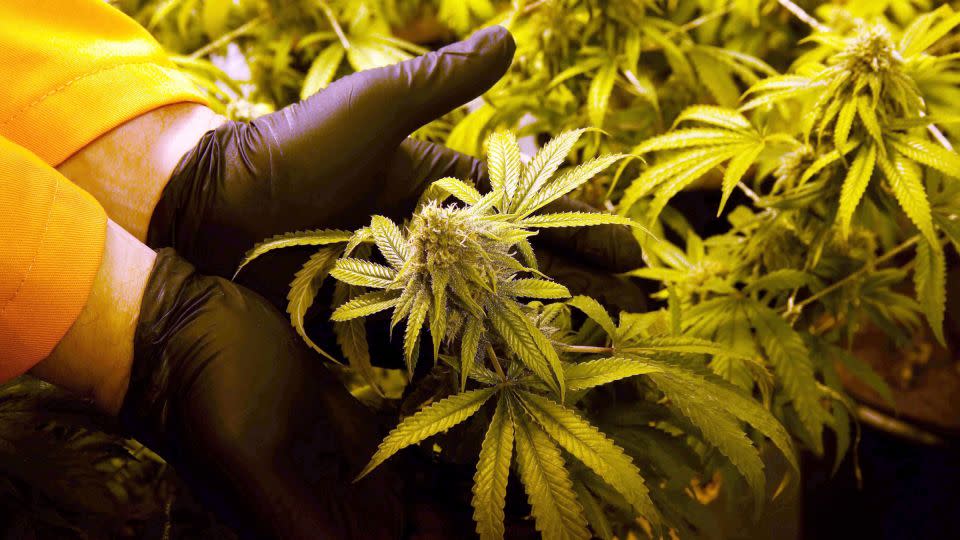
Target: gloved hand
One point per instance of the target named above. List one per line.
(224, 389)
(339, 156)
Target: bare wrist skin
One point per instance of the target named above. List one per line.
(95, 356)
(127, 168)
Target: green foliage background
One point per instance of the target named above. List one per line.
(828, 127)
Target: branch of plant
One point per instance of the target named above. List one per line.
(937, 134)
(496, 362)
(801, 14)
(582, 349)
(900, 248)
(334, 24)
(227, 38)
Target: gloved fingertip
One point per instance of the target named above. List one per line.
(495, 41)
(440, 81)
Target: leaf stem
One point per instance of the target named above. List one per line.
(227, 38)
(804, 16)
(900, 248)
(496, 362)
(334, 24)
(583, 349)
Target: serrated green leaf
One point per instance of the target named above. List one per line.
(352, 338)
(658, 274)
(577, 219)
(303, 291)
(322, 70)
(596, 451)
(365, 53)
(841, 130)
(438, 312)
(365, 304)
(527, 256)
(718, 427)
(469, 347)
(715, 77)
(535, 288)
(827, 159)
(922, 36)
(775, 89)
(929, 154)
(907, 187)
(435, 418)
(675, 56)
(868, 116)
(503, 164)
(567, 181)
(318, 237)
(665, 170)
(528, 343)
(598, 95)
(363, 273)
(466, 136)
(411, 336)
(584, 375)
(464, 294)
(735, 170)
(554, 506)
(791, 361)
(674, 185)
(493, 468)
(716, 116)
(359, 237)
(930, 280)
(542, 167)
(389, 241)
(678, 345)
(779, 280)
(591, 308)
(855, 184)
(594, 511)
(459, 189)
(691, 137)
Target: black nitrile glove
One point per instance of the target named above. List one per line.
(334, 159)
(331, 160)
(224, 389)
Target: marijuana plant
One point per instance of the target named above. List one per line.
(460, 271)
(792, 279)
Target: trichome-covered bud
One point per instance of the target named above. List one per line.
(871, 50)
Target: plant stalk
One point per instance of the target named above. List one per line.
(903, 246)
(583, 349)
(227, 38)
(801, 14)
(334, 24)
(496, 363)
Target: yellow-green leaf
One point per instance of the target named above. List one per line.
(557, 514)
(436, 418)
(858, 177)
(493, 468)
(303, 291)
(322, 70)
(594, 449)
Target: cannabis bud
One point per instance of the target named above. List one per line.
(871, 50)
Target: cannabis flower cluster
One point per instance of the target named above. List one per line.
(870, 50)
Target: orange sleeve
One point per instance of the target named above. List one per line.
(52, 237)
(73, 70)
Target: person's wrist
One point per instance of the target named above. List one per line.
(127, 168)
(95, 355)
